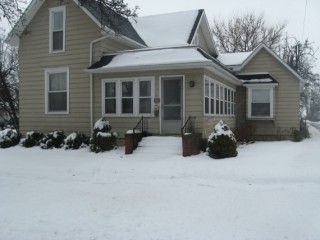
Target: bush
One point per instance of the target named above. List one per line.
(52, 140)
(244, 133)
(76, 140)
(221, 142)
(102, 139)
(297, 135)
(9, 138)
(32, 139)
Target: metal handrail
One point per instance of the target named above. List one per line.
(183, 129)
(141, 121)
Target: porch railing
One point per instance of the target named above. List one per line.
(187, 127)
(140, 125)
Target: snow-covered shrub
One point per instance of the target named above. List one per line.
(76, 140)
(52, 140)
(9, 138)
(102, 139)
(221, 142)
(32, 139)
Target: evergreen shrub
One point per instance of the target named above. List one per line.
(221, 142)
(102, 139)
(9, 138)
(76, 140)
(32, 139)
(52, 140)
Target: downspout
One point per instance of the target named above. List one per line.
(91, 77)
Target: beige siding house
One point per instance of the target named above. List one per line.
(165, 68)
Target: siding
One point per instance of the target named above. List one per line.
(202, 42)
(35, 58)
(286, 97)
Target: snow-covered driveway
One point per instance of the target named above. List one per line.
(270, 191)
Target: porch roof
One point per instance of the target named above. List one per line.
(257, 78)
(155, 57)
(185, 57)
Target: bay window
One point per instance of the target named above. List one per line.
(218, 98)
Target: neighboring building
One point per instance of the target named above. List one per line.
(166, 68)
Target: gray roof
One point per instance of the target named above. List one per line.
(124, 26)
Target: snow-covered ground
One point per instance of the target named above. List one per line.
(270, 191)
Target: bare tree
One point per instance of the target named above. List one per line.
(9, 91)
(245, 32)
(113, 14)
(11, 10)
(301, 58)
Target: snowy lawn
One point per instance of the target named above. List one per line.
(270, 191)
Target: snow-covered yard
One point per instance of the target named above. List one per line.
(270, 191)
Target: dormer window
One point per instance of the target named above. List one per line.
(57, 29)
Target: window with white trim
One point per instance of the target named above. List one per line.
(128, 97)
(57, 29)
(57, 90)
(219, 99)
(260, 104)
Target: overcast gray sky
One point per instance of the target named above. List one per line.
(275, 11)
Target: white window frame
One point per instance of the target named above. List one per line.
(47, 73)
(51, 14)
(221, 99)
(136, 96)
(271, 97)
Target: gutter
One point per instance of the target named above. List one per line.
(91, 76)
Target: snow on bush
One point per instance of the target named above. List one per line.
(52, 140)
(8, 138)
(32, 139)
(221, 142)
(102, 139)
(76, 140)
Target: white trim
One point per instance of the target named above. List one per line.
(161, 100)
(51, 11)
(135, 81)
(271, 97)
(216, 82)
(53, 71)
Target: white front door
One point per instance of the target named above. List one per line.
(171, 104)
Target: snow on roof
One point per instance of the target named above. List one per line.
(233, 58)
(131, 59)
(166, 29)
(264, 80)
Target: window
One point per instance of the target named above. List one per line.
(110, 98)
(260, 102)
(145, 97)
(218, 98)
(57, 90)
(127, 97)
(57, 29)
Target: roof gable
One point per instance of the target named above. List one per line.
(127, 31)
(164, 30)
(263, 46)
(174, 29)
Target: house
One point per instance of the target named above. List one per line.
(74, 70)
